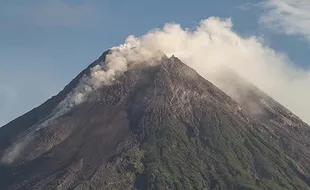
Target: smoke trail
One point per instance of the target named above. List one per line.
(13, 152)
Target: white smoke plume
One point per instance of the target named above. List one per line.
(13, 152)
(207, 48)
(120, 59)
(214, 44)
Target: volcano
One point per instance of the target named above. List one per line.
(158, 126)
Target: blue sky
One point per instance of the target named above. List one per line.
(45, 44)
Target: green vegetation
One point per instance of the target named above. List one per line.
(212, 155)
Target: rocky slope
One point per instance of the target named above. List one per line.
(160, 127)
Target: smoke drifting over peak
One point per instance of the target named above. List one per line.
(214, 45)
(211, 46)
(121, 58)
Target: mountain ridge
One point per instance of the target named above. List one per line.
(159, 127)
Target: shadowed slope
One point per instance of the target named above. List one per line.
(287, 129)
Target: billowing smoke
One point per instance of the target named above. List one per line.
(211, 46)
(214, 45)
(121, 58)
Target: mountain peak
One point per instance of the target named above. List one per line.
(157, 126)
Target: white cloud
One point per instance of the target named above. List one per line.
(246, 6)
(291, 17)
(57, 13)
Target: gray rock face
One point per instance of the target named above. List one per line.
(160, 127)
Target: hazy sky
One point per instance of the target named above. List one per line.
(45, 44)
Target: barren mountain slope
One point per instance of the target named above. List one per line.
(159, 127)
